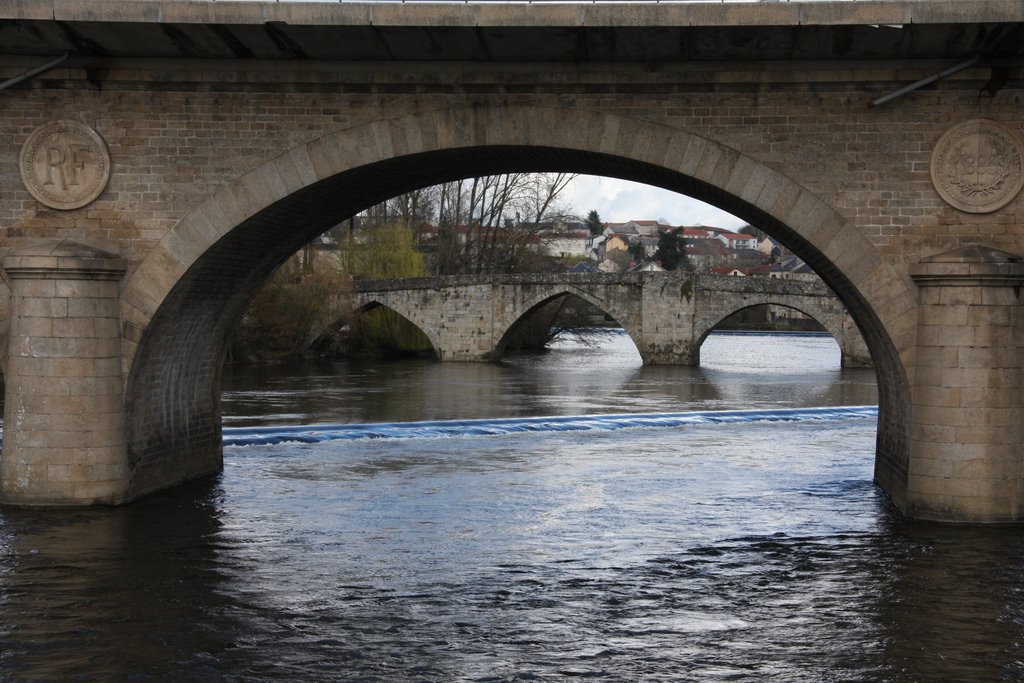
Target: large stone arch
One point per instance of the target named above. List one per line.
(181, 303)
(505, 325)
(831, 320)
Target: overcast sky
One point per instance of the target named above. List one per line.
(618, 201)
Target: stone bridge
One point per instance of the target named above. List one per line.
(159, 158)
(667, 315)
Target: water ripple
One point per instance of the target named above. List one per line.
(250, 436)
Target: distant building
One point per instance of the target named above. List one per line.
(793, 268)
(646, 267)
(769, 247)
(620, 229)
(737, 241)
(730, 271)
(583, 266)
(697, 234)
(567, 244)
(650, 244)
(705, 254)
(615, 242)
(635, 227)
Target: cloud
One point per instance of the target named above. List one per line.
(618, 201)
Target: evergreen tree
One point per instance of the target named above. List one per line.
(669, 252)
(594, 223)
(753, 232)
(637, 251)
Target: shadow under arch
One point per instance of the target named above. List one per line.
(181, 303)
(5, 321)
(408, 316)
(521, 316)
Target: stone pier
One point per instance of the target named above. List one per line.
(64, 441)
(967, 416)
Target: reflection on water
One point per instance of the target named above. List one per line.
(702, 552)
(598, 374)
(109, 594)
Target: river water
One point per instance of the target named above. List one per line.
(533, 539)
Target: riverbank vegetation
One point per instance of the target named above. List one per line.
(489, 224)
(289, 312)
(386, 252)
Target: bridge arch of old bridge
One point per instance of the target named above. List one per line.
(181, 303)
(823, 307)
(666, 315)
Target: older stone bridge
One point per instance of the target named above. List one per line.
(667, 315)
(158, 158)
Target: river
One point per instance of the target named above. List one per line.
(357, 533)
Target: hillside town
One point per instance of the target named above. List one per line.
(625, 247)
(633, 246)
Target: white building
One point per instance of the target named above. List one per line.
(568, 245)
(737, 241)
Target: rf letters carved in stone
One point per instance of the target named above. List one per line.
(65, 165)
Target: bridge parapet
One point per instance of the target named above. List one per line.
(716, 283)
(514, 279)
(728, 283)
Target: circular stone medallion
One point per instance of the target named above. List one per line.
(977, 166)
(65, 165)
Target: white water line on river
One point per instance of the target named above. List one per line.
(248, 436)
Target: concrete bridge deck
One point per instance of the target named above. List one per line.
(501, 31)
(154, 176)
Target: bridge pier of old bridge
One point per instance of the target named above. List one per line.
(667, 315)
(159, 159)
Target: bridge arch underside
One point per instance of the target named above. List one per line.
(182, 333)
(409, 315)
(542, 308)
(832, 321)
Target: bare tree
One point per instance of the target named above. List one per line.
(476, 232)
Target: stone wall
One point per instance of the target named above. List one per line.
(221, 169)
(176, 141)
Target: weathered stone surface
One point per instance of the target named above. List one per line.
(64, 409)
(223, 166)
(972, 343)
(668, 315)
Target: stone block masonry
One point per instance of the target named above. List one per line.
(64, 436)
(667, 315)
(239, 131)
(967, 422)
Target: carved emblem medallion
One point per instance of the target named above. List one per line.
(65, 165)
(977, 166)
